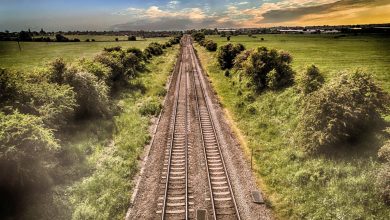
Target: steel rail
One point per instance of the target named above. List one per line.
(177, 94)
(198, 71)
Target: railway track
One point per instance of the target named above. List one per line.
(175, 198)
(222, 198)
(174, 202)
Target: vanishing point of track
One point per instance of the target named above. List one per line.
(174, 202)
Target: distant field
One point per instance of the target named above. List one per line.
(36, 54)
(371, 53)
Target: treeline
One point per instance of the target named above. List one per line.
(37, 107)
(207, 43)
(48, 36)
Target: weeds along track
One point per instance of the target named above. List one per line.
(178, 186)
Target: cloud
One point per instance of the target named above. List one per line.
(294, 13)
(243, 14)
(173, 4)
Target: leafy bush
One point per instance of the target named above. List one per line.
(111, 49)
(154, 49)
(122, 64)
(312, 80)
(384, 152)
(227, 53)
(61, 38)
(210, 45)
(340, 111)
(267, 68)
(137, 52)
(383, 182)
(132, 38)
(7, 86)
(26, 150)
(57, 69)
(98, 69)
(91, 94)
(54, 103)
(198, 36)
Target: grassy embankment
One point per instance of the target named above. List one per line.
(338, 186)
(37, 54)
(94, 177)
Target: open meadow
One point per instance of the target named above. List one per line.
(332, 55)
(340, 184)
(37, 54)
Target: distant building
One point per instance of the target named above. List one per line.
(226, 30)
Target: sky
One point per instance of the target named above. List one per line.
(55, 15)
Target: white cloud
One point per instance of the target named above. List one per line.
(154, 12)
(173, 4)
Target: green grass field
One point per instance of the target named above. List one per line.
(370, 53)
(37, 54)
(296, 185)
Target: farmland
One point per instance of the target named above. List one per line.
(37, 54)
(330, 54)
(324, 186)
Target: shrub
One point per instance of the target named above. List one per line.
(57, 69)
(110, 49)
(198, 36)
(383, 182)
(7, 86)
(61, 38)
(116, 39)
(91, 94)
(123, 65)
(54, 103)
(137, 52)
(98, 69)
(341, 111)
(153, 49)
(312, 80)
(210, 45)
(132, 38)
(26, 150)
(267, 68)
(384, 152)
(227, 53)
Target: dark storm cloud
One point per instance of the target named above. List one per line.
(290, 14)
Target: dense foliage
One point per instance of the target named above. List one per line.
(198, 36)
(209, 45)
(311, 80)
(268, 68)
(227, 53)
(340, 111)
